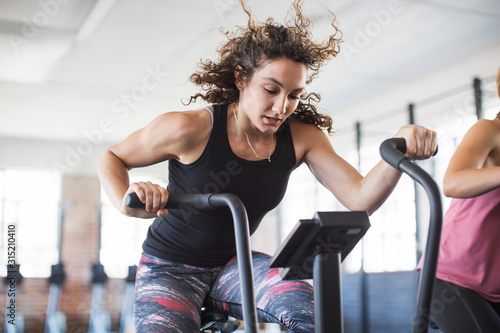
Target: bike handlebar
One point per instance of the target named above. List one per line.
(242, 236)
(392, 151)
(201, 201)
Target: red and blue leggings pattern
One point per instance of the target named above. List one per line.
(169, 295)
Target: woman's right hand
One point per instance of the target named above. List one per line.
(152, 195)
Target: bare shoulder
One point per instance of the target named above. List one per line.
(183, 123)
(182, 134)
(480, 145)
(487, 133)
(483, 132)
(492, 126)
(301, 129)
(180, 129)
(172, 135)
(307, 137)
(487, 124)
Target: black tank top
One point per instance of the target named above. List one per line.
(206, 237)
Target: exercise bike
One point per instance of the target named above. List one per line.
(392, 151)
(99, 319)
(212, 320)
(316, 247)
(55, 321)
(13, 320)
(127, 313)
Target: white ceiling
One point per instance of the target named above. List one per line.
(67, 66)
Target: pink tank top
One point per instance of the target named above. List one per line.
(469, 253)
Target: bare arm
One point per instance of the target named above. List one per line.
(474, 168)
(175, 135)
(353, 190)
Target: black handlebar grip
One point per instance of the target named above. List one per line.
(393, 151)
(132, 201)
(200, 201)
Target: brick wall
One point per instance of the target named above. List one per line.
(79, 252)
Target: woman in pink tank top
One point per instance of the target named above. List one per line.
(467, 291)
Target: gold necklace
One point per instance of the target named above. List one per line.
(248, 140)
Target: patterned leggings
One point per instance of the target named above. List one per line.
(169, 295)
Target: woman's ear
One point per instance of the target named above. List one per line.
(239, 77)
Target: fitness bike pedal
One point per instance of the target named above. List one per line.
(215, 321)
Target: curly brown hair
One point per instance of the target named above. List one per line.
(249, 47)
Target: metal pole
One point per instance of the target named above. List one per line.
(392, 152)
(327, 295)
(60, 231)
(365, 320)
(279, 225)
(411, 117)
(244, 254)
(99, 232)
(426, 279)
(478, 94)
(242, 235)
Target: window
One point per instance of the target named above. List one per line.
(122, 236)
(29, 205)
(390, 243)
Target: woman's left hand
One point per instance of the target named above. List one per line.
(421, 143)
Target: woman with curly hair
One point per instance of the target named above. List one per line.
(261, 125)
